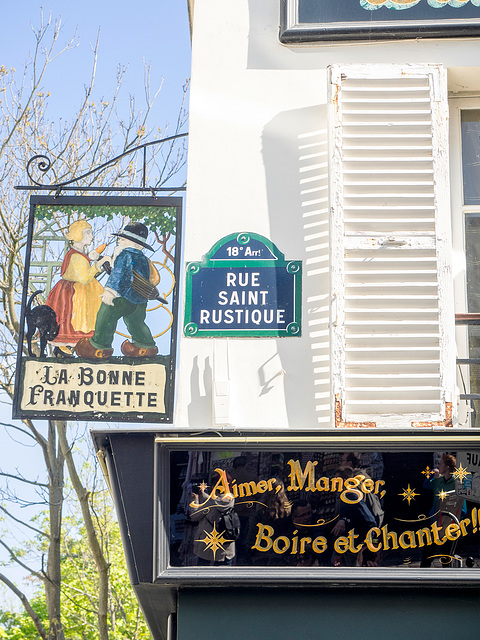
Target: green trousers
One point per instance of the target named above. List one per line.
(134, 318)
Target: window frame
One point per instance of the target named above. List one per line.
(294, 576)
(459, 211)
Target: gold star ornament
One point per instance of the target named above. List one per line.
(214, 540)
(427, 472)
(460, 473)
(409, 494)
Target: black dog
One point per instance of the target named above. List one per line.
(44, 319)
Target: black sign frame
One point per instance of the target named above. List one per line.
(168, 361)
(236, 576)
(419, 21)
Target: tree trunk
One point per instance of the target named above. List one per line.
(94, 544)
(53, 583)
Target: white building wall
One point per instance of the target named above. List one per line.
(258, 163)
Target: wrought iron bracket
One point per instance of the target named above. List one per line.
(43, 164)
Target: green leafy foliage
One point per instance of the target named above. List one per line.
(79, 577)
(158, 219)
(19, 626)
(79, 592)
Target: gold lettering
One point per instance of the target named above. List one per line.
(294, 543)
(352, 483)
(250, 488)
(378, 484)
(281, 540)
(463, 525)
(452, 532)
(367, 485)
(247, 488)
(386, 538)
(303, 543)
(374, 531)
(344, 496)
(319, 545)
(352, 536)
(271, 482)
(336, 484)
(421, 533)
(262, 486)
(300, 477)
(341, 544)
(323, 484)
(410, 544)
(261, 537)
(436, 530)
(221, 485)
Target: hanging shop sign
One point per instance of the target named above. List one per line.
(243, 288)
(97, 332)
(326, 20)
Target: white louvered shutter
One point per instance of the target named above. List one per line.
(392, 337)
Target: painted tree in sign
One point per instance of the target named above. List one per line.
(161, 221)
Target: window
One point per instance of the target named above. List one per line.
(393, 360)
(465, 163)
(317, 509)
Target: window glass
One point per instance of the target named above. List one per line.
(472, 243)
(325, 509)
(471, 156)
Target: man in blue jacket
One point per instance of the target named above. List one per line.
(121, 300)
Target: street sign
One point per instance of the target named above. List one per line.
(243, 288)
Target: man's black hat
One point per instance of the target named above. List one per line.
(137, 232)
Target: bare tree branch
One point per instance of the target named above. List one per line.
(21, 479)
(16, 559)
(23, 523)
(28, 607)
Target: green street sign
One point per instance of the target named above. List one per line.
(244, 287)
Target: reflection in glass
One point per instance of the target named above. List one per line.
(471, 156)
(325, 509)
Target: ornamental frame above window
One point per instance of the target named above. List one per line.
(310, 21)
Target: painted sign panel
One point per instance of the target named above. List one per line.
(322, 509)
(244, 287)
(324, 20)
(97, 336)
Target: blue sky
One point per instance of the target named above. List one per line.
(129, 33)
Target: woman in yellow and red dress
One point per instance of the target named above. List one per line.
(76, 297)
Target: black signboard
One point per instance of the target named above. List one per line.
(333, 20)
(97, 333)
(324, 509)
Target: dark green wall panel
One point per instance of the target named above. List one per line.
(337, 614)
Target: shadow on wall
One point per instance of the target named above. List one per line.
(295, 158)
(201, 394)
